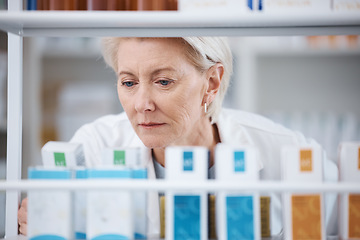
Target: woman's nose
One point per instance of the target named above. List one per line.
(144, 100)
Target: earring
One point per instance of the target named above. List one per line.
(205, 107)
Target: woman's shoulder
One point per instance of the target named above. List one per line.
(252, 121)
(258, 127)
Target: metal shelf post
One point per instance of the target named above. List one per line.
(14, 123)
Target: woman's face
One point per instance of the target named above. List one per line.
(161, 92)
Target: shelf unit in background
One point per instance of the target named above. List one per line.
(175, 24)
(21, 24)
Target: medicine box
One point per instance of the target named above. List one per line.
(140, 206)
(49, 211)
(79, 197)
(349, 203)
(303, 213)
(213, 6)
(133, 158)
(238, 213)
(296, 6)
(346, 6)
(63, 154)
(109, 212)
(186, 211)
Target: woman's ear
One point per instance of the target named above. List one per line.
(214, 76)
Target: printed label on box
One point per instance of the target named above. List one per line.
(186, 217)
(305, 160)
(239, 161)
(354, 215)
(188, 161)
(306, 217)
(119, 158)
(59, 159)
(240, 217)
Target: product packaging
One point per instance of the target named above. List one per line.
(238, 213)
(49, 211)
(212, 6)
(80, 206)
(294, 6)
(133, 159)
(186, 211)
(303, 212)
(140, 206)
(109, 212)
(63, 154)
(349, 203)
(346, 5)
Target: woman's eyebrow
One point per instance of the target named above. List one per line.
(125, 73)
(153, 73)
(165, 69)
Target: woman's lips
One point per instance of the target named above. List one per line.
(151, 125)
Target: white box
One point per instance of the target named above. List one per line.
(303, 213)
(346, 5)
(63, 154)
(237, 213)
(133, 158)
(109, 213)
(140, 207)
(212, 6)
(302, 6)
(50, 211)
(80, 206)
(186, 212)
(349, 203)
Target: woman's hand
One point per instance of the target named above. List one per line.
(22, 217)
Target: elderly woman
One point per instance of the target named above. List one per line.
(172, 90)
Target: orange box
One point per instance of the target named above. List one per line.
(303, 214)
(306, 217)
(349, 203)
(354, 216)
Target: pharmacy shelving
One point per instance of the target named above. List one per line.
(170, 24)
(21, 24)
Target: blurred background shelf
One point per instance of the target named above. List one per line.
(166, 24)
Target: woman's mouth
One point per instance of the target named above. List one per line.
(151, 125)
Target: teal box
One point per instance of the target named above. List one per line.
(187, 217)
(240, 217)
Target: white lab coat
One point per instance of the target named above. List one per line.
(235, 127)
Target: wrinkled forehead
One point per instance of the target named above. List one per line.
(182, 47)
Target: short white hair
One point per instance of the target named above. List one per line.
(203, 53)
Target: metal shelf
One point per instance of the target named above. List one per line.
(175, 24)
(164, 185)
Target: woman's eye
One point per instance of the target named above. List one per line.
(128, 84)
(164, 82)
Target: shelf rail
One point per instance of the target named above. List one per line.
(164, 185)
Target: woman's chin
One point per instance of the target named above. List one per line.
(155, 142)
